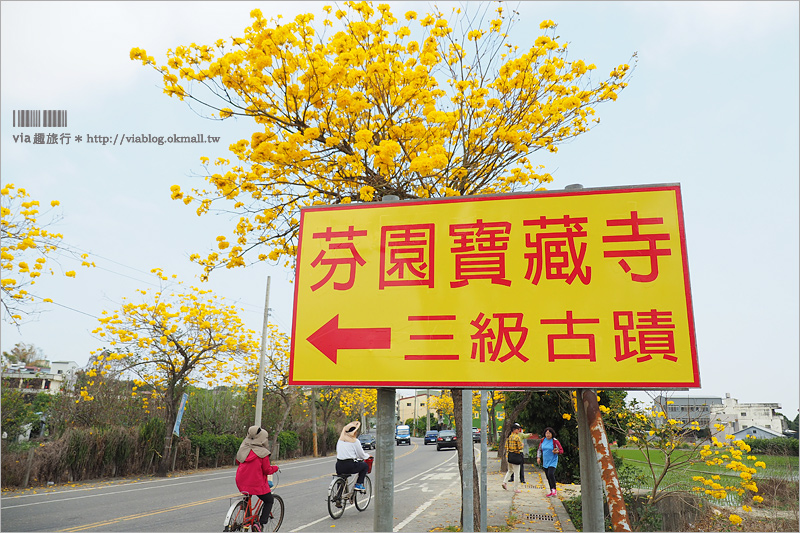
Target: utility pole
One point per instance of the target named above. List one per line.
(260, 392)
(414, 426)
(427, 411)
(314, 420)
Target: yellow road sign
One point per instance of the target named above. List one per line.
(586, 288)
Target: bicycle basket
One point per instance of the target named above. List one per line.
(369, 462)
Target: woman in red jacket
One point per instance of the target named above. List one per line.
(254, 467)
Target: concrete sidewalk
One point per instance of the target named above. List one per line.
(528, 510)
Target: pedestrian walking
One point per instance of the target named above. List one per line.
(514, 457)
(547, 457)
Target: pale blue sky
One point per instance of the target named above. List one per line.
(712, 105)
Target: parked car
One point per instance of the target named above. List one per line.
(367, 441)
(430, 437)
(476, 435)
(446, 439)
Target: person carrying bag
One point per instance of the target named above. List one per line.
(514, 457)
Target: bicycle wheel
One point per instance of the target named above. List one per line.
(234, 520)
(335, 501)
(275, 515)
(363, 498)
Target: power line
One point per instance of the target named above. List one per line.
(65, 306)
(253, 308)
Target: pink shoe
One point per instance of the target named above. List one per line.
(549, 494)
(517, 491)
(505, 487)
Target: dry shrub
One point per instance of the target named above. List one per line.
(719, 521)
(779, 493)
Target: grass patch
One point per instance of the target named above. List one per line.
(779, 466)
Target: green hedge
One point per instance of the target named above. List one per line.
(777, 446)
(215, 449)
(289, 442)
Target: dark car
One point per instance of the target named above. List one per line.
(430, 437)
(367, 441)
(476, 435)
(446, 439)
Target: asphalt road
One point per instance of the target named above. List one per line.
(199, 501)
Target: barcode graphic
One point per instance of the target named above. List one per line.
(40, 118)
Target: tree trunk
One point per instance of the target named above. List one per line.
(492, 421)
(288, 400)
(462, 438)
(172, 413)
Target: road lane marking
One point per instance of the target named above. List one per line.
(146, 514)
(170, 509)
(422, 508)
(413, 515)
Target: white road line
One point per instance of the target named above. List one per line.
(413, 515)
(95, 495)
(422, 508)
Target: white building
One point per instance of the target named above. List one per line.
(686, 409)
(737, 416)
(757, 432)
(414, 406)
(60, 375)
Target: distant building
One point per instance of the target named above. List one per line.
(757, 432)
(686, 409)
(414, 406)
(33, 379)
(737, 416)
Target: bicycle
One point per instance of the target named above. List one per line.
(243, 513)
(342, 491)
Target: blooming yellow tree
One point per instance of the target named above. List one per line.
(671, 457)
(358, 403)
(172, 340)
(368, 105)
(26, 244)
(443, 404)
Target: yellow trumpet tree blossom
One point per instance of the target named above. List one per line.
(359, 403)
(443, 404)
(367, 104)
(493, 399)
(671, 454)
(25, 244)
(172, 340)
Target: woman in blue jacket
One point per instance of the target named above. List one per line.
(547, 457)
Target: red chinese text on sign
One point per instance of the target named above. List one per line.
(427, 337)
(344, 253)
(486, 341)
(652, 251)
(407, 255)
(655, 335)
(480, 252)
(570, 322)
(554, 251)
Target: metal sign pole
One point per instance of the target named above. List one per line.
(467, 460)
(384, 462)
(484, 457)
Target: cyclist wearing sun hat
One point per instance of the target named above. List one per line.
(253, 469)
(350, 455)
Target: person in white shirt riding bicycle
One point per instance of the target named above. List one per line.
(350, 455)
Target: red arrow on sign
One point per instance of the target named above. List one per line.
(330, 338)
